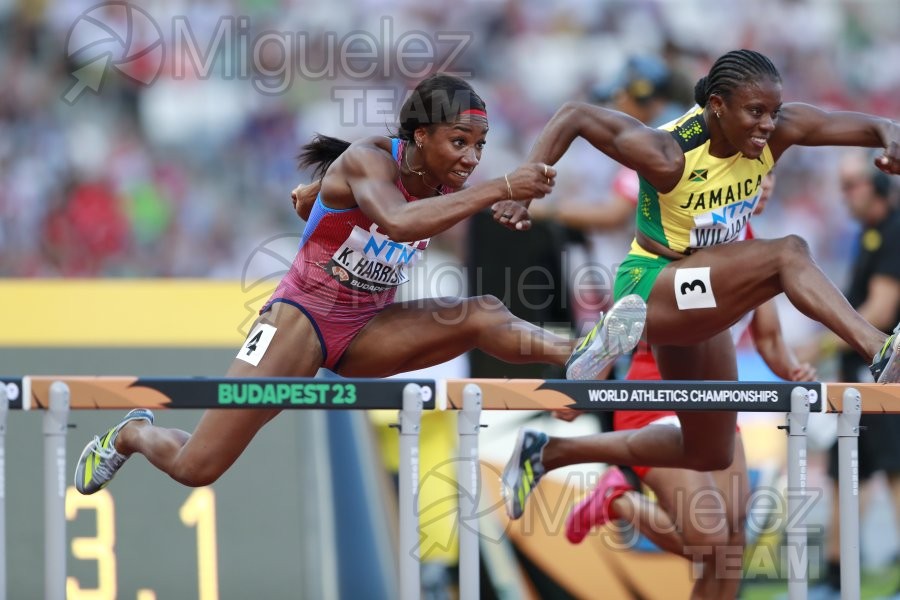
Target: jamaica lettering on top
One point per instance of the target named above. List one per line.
(721, 196)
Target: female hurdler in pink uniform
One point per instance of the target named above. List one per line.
(378, 202)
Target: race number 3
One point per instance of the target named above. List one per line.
(257, 342)
(693, 289)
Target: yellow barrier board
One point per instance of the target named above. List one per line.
(127, 312)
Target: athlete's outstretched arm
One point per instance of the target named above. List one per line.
(806, 125)
(765, 329)
(366, 176)
(612, 213)
(651, 152)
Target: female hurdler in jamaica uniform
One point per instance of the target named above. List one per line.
(699, 182)
(378, 202)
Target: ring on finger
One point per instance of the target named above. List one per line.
(545, 170)
(506, 215)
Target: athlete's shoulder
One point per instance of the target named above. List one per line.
(368, 154)
(380, 142)
(367, 159)
(689, 130)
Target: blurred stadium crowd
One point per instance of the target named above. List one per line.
(186, 176)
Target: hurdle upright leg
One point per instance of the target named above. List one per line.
(410, 424)
(4, 414)
(796, 542)
(469, 477)
(56, 422)
(848, 492)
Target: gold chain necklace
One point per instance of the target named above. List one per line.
(419, 173)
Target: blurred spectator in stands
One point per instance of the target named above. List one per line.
(87, 232)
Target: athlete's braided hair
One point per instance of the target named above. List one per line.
(732, 70)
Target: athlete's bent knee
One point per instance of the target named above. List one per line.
(194, 476)
(712, 461)
(706, 536)
(794, 246)
(483, 311)
(488, 302)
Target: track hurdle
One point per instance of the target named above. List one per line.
(4, 413)
(10, 399)
(470, 396)
(58, 395)
(850, 401)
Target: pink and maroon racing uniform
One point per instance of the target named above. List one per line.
(345, 272)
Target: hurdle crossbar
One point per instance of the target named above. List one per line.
(205, 392)
(554, 394)
(874, 398)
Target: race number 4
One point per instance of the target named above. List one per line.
(257, 342)
(693, 289)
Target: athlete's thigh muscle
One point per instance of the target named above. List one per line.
(292, 350)
(711, 359)
(702, 294)
(681, 493)
(735, 486)
(704, 433)
(289, 346)
(412, 335)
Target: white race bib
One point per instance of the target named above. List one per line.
(372, 262)
(693, 289)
